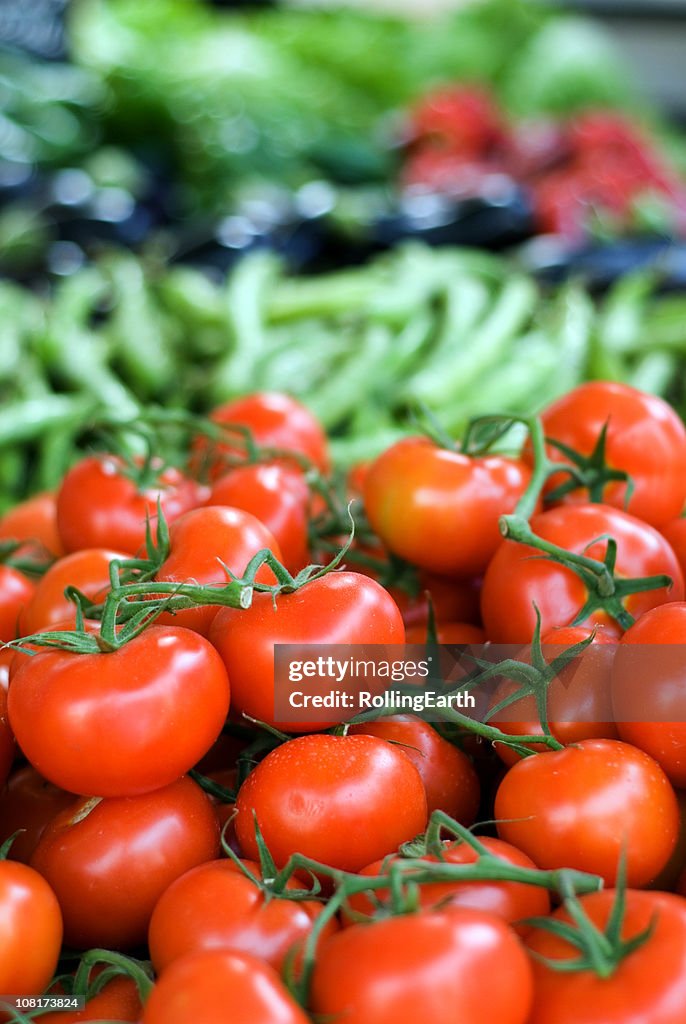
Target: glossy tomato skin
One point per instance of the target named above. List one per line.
(510, 901)
(517, 578)
(439, 509)
(109, 861)
(98, 505)
(582, 806)
(675, 532)
(648, 687)
(449, 778)
(275, 420)
(146, 712)
(16, 591)
(88, 570)
(426, 966)
(30, 930)
(28, 802)
(339, 608)
(216, 906)
(276, 495)
(118, 1000)
(200, 540)
(341, 800)
(649, 985)
(645, 438)
(216, 986)
(35, 522)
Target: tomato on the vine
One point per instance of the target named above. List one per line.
(16, 591)
(28, 802)
(30, 930)
(35, 522)
(88, 570)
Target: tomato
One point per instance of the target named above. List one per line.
(582, 806)
(30, 930)
(109, 861)
(118, 1000)
(339, 608)
(200, 540)
(276, 495)
(452, 601)
(653, 717)
(16, 592)
(447, 633)
(519, 578)
(341, 800)
(28, 802)
(439, 509)
(7, 747)
(645, 438)
(675, 533)
(449, 778)
(511, 901)
(121, 723)
(99, 505)
(442, 967)
(216, 986)
(215, 906)
(647, 987)
(275, 420)
(88, 570)
(579, 698)
(34, 521)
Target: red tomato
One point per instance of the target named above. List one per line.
(216, 986)
(675, 533)
(118, 1000)
(511, 901)
(28, 802)
(200, 541)
(341, 800)
(16, 592)
(579, 698)
(7, 747)
(448, 775)
(34, 521)
(518, 578)
(30, 930)
(653, 717)
(452, 601)
(583, 806)
(446, 633)
(442, 967)
(279, 497)
(275, 420)
(109, 861)
(215, 906)
(649, 985)
(339, 608)
(645, 438)
(99, 505)
(87, 570)
(439, 509)
(121, 723)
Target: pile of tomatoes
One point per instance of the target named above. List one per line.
(175, 854)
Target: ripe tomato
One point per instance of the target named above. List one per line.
(118, 1000)
(579, 697)
(341, 800)
(645, 438)
(583, 806)
(16, 592)
(275, 420)
(219, 985)
(215, 906)
(34, 521)
(442, 967)
(518, 578)
(121, 723)
(452, 601)
(439, 509)
(27, 803)
(200, 540)
(30, 930)
(99, 505)
(279, 497)
(87, 570)
(339, 608)
(653, 717)
(648, 985)
(7, 747)
(675, 533)
(446, 633)
(448, 775)
(511, 901)
(109, 861)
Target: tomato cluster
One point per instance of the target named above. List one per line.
(204, 861)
